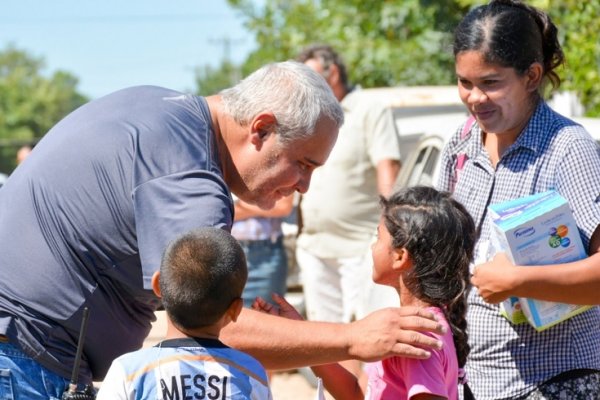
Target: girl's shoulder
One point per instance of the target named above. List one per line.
(441, 317)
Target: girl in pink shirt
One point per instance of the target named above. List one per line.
(424, 246)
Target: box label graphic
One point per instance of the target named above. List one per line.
(537, 230)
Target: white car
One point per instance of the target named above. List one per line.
(421, 164)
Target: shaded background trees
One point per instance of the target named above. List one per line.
(579, 27)
(390, 43)
(30, 103)
(384, 43)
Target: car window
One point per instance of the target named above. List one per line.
(421, 166)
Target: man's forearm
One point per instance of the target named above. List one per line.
(387, 173)
(281, 343)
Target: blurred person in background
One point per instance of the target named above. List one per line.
(259, 233)
(23, 152)
(340, 212)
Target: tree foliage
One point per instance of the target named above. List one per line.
(30, 103)
(210, 80)
(390, 43)
(579, 28)
(384, 43)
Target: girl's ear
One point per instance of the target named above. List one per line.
(156, 283)
(401, 259)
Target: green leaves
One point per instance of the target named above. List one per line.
(384, 43)
(30, 103)
(409, 42)
(579, 27)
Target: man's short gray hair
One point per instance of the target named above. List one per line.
(293, 92)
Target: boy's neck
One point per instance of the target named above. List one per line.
(205, 332)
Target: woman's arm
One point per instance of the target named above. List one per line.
(577, 282)
(339, 382)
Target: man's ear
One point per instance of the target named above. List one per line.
(333, 75)
(261, 126)
(235, 308)
(156, 283)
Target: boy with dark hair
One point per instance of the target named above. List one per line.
(201, 279)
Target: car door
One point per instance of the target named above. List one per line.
(421, 166)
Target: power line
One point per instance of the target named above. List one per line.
(227, 43)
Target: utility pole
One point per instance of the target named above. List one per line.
(227, 43)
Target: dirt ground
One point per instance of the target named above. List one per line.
(292, 386)
(289, 385)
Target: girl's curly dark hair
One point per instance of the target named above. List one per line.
(439, 234)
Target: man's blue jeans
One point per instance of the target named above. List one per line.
(21, 378)
(267, 269)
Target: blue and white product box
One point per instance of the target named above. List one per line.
(537, 230)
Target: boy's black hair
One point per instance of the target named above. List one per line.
(202, 272)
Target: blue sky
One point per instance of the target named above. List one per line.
(112, 44)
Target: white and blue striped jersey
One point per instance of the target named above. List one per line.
(187, 368)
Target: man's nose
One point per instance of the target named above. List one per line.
(303, 183)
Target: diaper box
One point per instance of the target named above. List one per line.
(537, 230)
